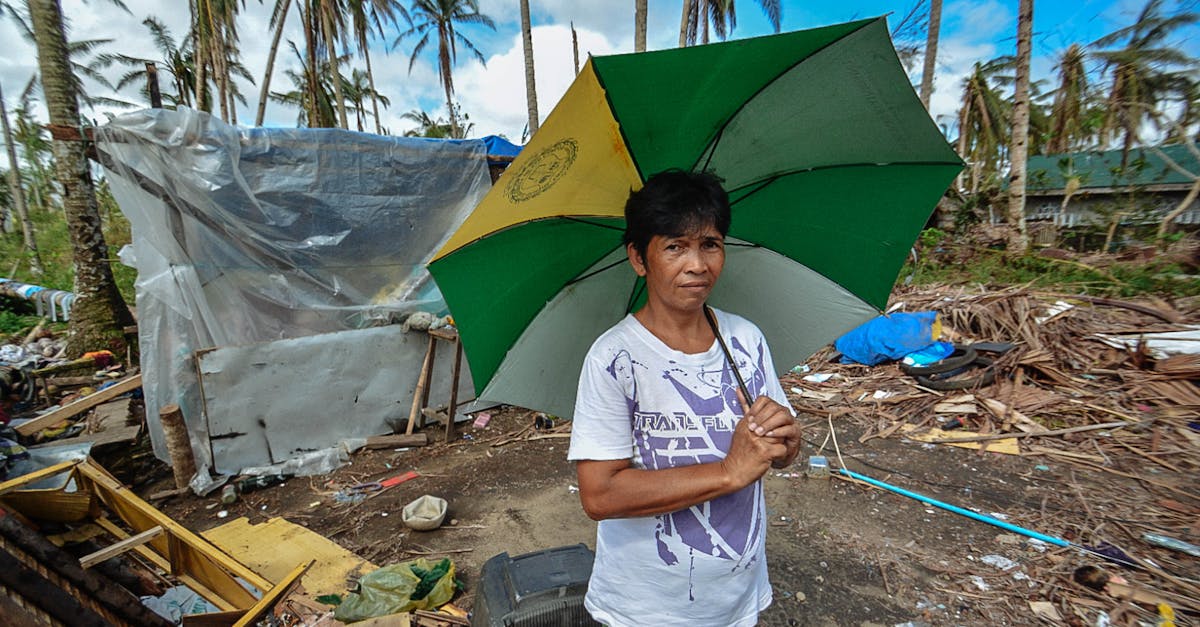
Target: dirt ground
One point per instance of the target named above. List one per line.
(839, 553)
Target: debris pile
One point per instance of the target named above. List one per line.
(1105, 389)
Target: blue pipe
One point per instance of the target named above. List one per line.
(957, 510)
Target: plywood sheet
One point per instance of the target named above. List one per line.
(274, 548)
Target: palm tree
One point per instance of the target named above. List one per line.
(931, 45)
(721, 15)
(982, 121)
(440, 18)
(99, 315)
(17, 193)
(1018, 152)
(214, 35)
(177, 60)
(1140, 69)
(530, 81)
(278, 19)
(311, 94)
(331, 22)
(1067, 123)
(367, 17)
(357, 90)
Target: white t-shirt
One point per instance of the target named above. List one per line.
(642, 400)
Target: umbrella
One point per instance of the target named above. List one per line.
(831, 163)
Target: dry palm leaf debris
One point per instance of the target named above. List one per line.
(1124, 422)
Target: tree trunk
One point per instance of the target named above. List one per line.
(334, 70)
(264, 92)
(99, 315)
(18, 194)
(1165, 226)
(931, 45)
(530, 82)
(314, 76)
(683, 22)
(639, 25)
(1019, 147)
(575, 47)
(374, 94)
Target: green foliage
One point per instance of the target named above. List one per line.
(959, 263)
(54, 247)
(12, 322)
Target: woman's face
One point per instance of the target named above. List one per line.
(681, 271)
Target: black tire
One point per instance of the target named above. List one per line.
(944, 383)
(961, 357)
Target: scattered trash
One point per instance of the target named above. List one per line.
(800, 369)
(482, 419)
(177, 602)
(1046, 610)
(980, 583)
(229, 494)
(998, 561)
(418, 584)
(1172, 543)
(821, 377)
(424, 513)
(818, 467)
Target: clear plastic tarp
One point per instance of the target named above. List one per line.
(247, 235)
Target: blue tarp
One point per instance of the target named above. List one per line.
(500, 150)
(887, 338)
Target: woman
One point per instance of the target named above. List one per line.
(670, 454)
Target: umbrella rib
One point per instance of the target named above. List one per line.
(725, 124)
(595, 272)
(590, 223)
(761, 184)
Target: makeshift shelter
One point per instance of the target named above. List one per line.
(301, 238)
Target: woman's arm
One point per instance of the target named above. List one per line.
(615, 489)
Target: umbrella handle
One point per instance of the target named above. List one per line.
(712, 322)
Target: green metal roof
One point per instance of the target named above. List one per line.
(1102, 169)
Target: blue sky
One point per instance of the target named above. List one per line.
(494, 96)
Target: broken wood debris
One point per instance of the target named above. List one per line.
(1121, 416)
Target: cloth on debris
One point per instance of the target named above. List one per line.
(418, 584)
(889, 337)
(178, 602)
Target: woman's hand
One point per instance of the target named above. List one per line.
(768, 419)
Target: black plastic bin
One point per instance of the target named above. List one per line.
(539, 589)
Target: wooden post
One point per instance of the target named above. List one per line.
(458, 351)
(422, 382)
(152, 85)
(179, 445)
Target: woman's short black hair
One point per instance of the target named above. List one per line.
(674, 203)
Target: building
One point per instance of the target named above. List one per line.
(1142, 190)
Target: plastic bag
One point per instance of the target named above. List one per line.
(418, 584)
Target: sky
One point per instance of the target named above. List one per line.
(493, 96)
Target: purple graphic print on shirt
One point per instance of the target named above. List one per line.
(725, 527)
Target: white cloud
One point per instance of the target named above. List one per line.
(494, 97)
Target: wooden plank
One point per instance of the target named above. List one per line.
(397, 441)
(213, 619)
(161, 562)
(79, 406)
(117, 548)
(37, 475)
(187, 552)
(269, 599)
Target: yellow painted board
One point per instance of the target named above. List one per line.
(269, 599)
(934, 435)
(272, 549)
